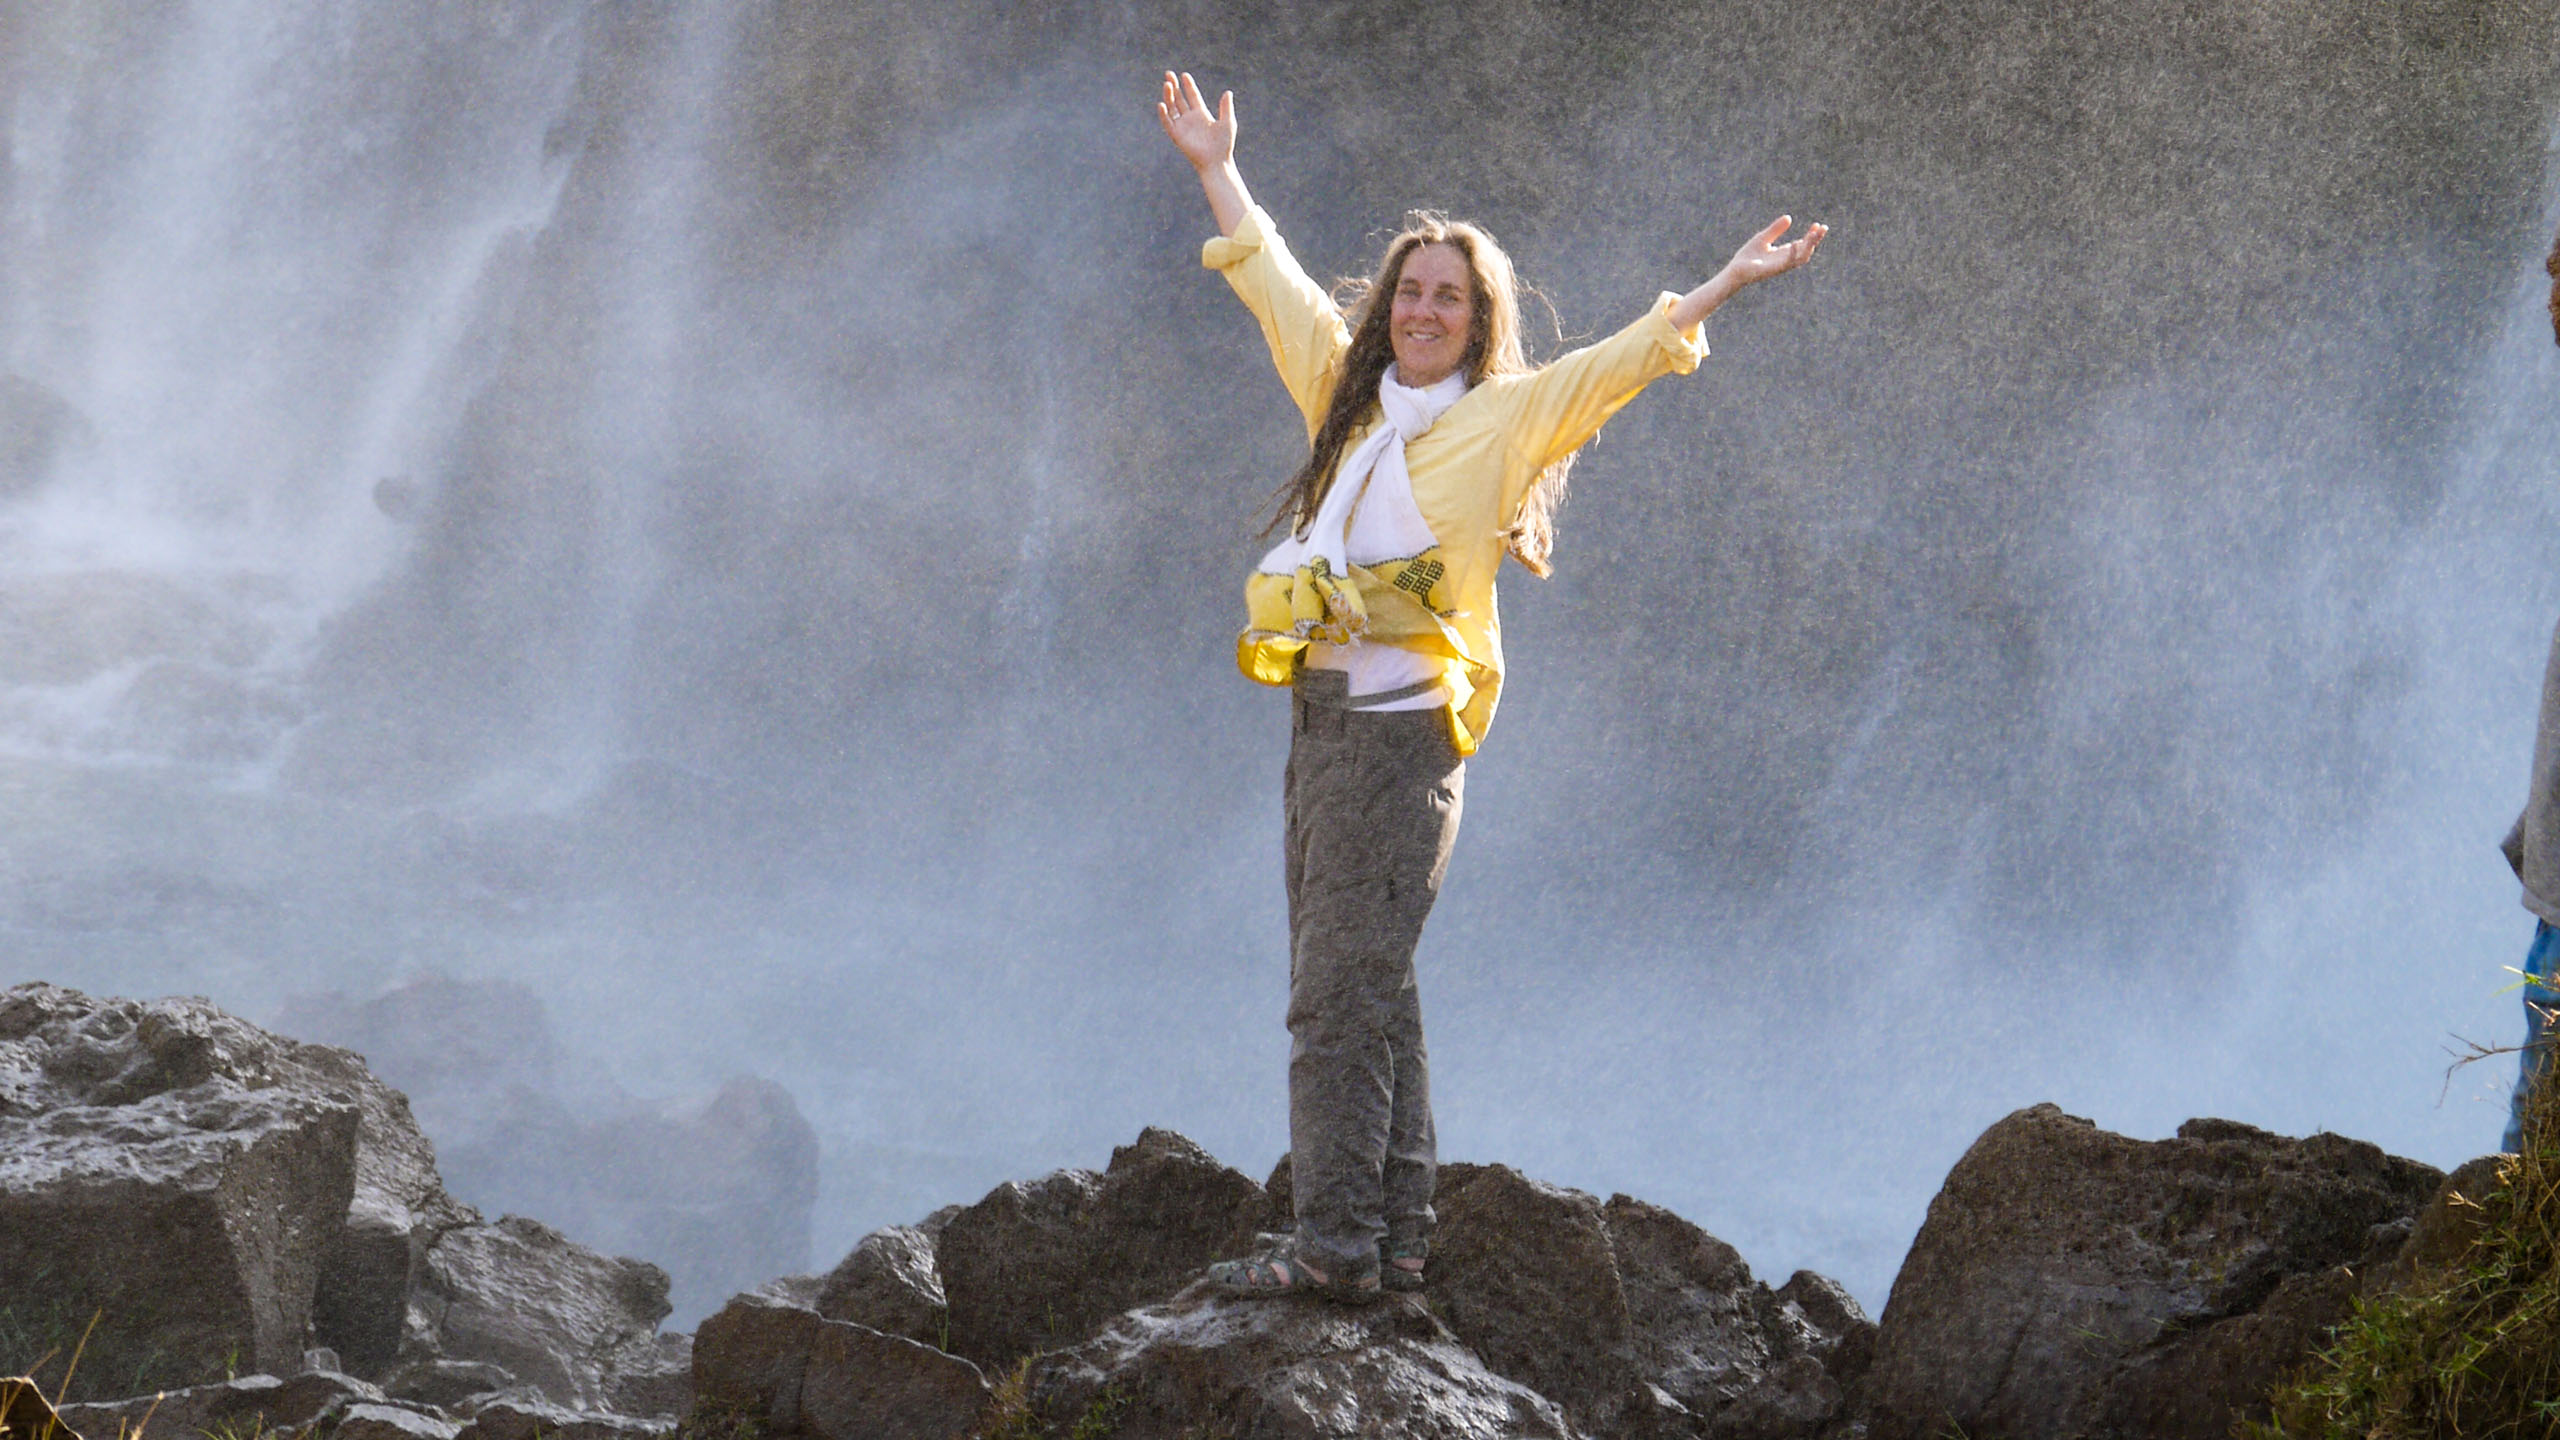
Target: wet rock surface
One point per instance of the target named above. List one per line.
(171, 1170)
(1302, 1368)
(891, 1283)
(576, 1326)
(1548, 1312)
(2071, 1282)
(2068, 1283)
(244, 1406)
(1040, 1264)
(221, 1196)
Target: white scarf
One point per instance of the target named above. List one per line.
(1409, 414)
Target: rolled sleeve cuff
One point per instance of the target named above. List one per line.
(1684, 350)
(1223, 252)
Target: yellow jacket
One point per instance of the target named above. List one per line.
(1470, 472)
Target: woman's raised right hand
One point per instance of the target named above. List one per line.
(1205, 139)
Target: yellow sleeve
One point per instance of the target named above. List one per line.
(1298, 319)
(1551, 414)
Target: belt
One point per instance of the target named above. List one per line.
(1332, 689)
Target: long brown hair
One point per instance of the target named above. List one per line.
(1493, 348)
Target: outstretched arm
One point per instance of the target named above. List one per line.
(1208, 141)
(1759, 258)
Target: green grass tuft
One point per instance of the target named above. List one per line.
(2470, 1352)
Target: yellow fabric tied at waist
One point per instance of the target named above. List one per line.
(1322, 607)
(1403, 603)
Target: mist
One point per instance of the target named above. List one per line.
(732, 519)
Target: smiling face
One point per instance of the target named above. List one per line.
(1433, 313)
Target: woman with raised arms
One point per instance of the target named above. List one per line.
(1434, 449)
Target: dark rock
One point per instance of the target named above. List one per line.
(1674, 1336)
(1739, 1360)
(176, 1172)
(238, 1407)
(792, 1371)
(2442, 1231)
(889, 1283)
(1038, 1265)
(392, 1422)
(24, 1411)
(1829, 1324)
(360, 1305)
(1517, 1264)
(1303, 1369)
(578, 1326)
(447, 1384)
(2198, 1381)
(539, 1420)
(2061, 1265)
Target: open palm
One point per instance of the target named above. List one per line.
(1205, 138)
(1762, 256)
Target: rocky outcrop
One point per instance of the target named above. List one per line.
(787, 1370)
(360, 1306)
(1671, 1330)
(162, 1170)
(2072, 1282)
(1548, 1312)
(218, 1196)
(1303, 1369)
(891, 1282)
(1042, 1264)
(578, 1327)
(222, 1187)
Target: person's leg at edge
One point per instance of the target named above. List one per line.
(1412, 1161)
(2541, 964)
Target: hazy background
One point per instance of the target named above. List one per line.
(731, 518)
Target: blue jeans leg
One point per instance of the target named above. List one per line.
(2541, 963)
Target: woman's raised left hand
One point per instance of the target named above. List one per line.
(1760, 257)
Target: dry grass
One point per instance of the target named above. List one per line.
(2472, 1350)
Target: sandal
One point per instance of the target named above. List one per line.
(1278, 1271)
(1403, 1260)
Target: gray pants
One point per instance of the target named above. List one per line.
(1372, 801)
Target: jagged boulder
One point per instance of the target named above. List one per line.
(1741, 1362)
(400, 1209)
(1518, 1263)
(2069, 1282)
(1042, 1264)
(891, 1282)
(217, 1195)
(579, 1327)
(1671, 1334)
(785, 1370)
(2442, 1231)
(172, 1171)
